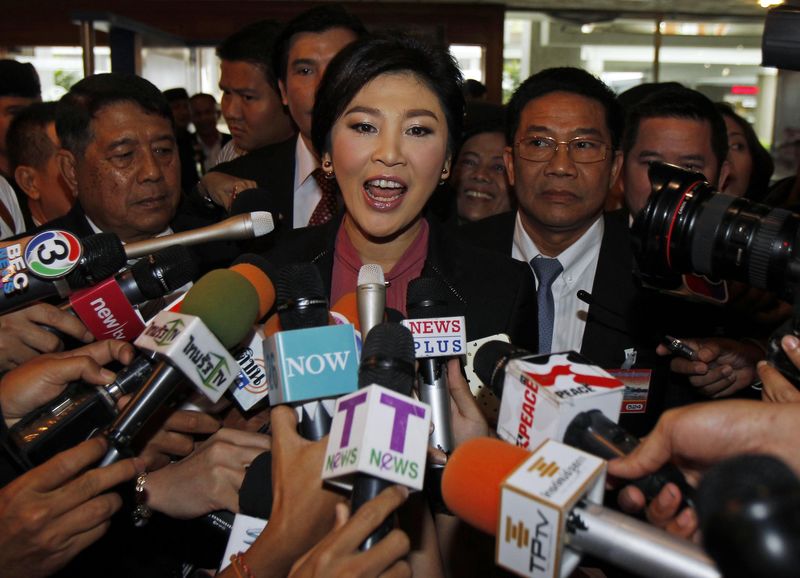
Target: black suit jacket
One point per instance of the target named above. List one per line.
(272, 167)
(618, 319)
(497, 294)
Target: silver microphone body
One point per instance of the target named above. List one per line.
(634, 545)
(370, 297)
(240, 227)
(433, 390)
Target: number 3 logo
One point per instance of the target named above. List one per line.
(53, 254)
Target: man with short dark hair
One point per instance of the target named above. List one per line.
(563, 135)
(32, 147)
(290, 170)
(205, 116)
(251, 102)
(188, 148)
(675, 125)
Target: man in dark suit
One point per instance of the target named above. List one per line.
(288, 170)
(120, 159)
(564, 129)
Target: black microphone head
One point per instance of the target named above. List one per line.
(164, 271)
(491, 360)
(428, 297)
(258, 261)
(301, 297)
(387, 358)
(103, 255)
(749, 512)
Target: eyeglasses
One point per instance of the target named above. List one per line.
(541, 149)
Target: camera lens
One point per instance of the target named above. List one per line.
(688, 227)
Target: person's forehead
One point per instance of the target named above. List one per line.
(668, 130)
(335, 38)
(123, 116)
(566, 107)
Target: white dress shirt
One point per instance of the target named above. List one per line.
(9, 198)
(579, 261)
(306, 190)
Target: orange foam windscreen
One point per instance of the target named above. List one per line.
(472, 478)
(261, 283)
(347, 306)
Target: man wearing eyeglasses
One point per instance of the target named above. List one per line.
(563, 134)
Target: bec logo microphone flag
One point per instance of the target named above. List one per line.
(379, 432)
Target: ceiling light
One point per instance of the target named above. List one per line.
(768, 3)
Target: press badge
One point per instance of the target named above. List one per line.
(637, 388)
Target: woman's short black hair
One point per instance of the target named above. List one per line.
(366, 59)
(763, 165)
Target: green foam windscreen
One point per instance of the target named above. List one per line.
(226, 302)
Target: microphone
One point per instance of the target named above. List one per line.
(55, 263)
(544, 509)
(370, 297)
(539, 413)
(75, 415)
(237, 228)
(361, 445)
(589, 299)
(309, 360)
(107, 308)
(253, 384)
(749, 512)
(190, 345)
(541, 394)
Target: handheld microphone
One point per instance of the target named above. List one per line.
(237, 228)
(749, 512)
(360, 443)
(55, 263)
(75, 415)
(371, 297)
(544, 509)
(309, 360)
(541, 394)
(191, 345)
(107, 308)
(575, 422)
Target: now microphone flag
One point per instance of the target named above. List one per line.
(313, 363)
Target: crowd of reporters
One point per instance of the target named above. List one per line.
(358, 147)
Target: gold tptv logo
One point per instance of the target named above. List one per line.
(545, 470)
(517, 532)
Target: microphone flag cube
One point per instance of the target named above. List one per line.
(313, 363)
(535, 502)
(381, 433)
(438, 336)
(252, 385)
(191, 347)
(106, 311)
(542, 393)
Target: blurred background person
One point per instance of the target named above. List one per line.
(751, 165)
(32, 147)
(479, 177)
(188, 149)
(205, 116)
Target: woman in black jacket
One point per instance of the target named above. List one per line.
(384, 121)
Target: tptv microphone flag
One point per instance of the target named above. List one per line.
(379, 432)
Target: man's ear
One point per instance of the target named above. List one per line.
(616, 167)
(67, 165)
(282, 88)
(508, 159)
(26, 179)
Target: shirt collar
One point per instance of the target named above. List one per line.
(307, 163)
(574, 258)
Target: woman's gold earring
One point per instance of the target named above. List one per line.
(444, 176)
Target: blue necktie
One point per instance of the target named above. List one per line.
(546, 271)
